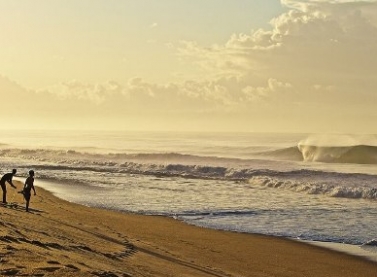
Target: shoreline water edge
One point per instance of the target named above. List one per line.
(366, 251)
(67, 239)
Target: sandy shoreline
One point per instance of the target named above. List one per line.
(59, 238)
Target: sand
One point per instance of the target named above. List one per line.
(58, 238)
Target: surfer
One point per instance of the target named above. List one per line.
(7, 178)
(29, 184)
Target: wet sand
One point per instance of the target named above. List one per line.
(58, 238)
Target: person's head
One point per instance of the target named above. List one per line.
(31, 172)
(14, 171)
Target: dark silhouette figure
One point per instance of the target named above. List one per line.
(29, 184)
(7, 178)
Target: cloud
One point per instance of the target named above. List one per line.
(13, 94)
(223, 95)
(303, 4)
(316, 61)
(313, 46)
(96, 93)
(328, 43)
(139, 96)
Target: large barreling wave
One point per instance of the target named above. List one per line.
(339, 149)
(357, 154)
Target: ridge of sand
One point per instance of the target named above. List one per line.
(58, 238)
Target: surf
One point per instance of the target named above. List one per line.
(358, 154)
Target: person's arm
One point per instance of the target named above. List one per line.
(11, 183)
(32, 186)
(26, 181)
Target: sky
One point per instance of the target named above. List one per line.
(189, 65)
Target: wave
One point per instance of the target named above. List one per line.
(216, 213)
(335, 189)
(357, 154)
(86, 168)
(291, 153)
(372, 242)
(333, 184)
(70, 155)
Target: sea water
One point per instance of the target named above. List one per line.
(309, 187)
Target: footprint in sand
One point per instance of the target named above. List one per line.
(49, 268)
(109, 274)
(72, 266)
(9, 272)
(8, 239)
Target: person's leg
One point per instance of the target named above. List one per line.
(4, 188)
(27, 199)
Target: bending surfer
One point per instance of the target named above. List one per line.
(29, 184)
(7, 178)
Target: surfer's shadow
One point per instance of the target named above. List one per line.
(35, 211)
(19, 208)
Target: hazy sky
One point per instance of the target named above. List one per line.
(213, 65)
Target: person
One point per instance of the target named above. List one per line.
(29, 184)
(7, 178)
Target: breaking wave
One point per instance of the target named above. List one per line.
(333, 189)
(85, 168)
(357, 154)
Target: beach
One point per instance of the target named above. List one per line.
(59, 238)
(189, 138)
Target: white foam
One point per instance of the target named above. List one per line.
(369, 253)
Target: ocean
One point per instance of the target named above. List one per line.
(309, 187)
